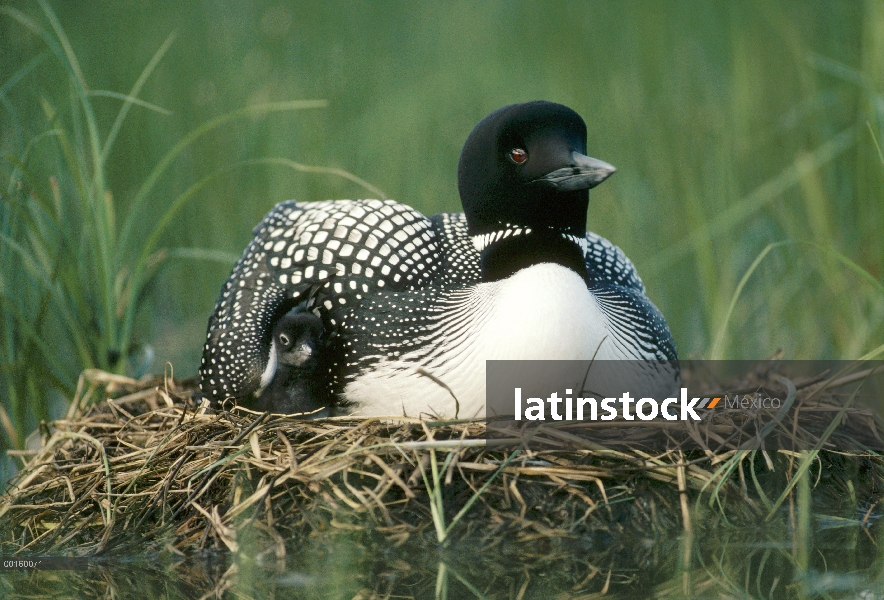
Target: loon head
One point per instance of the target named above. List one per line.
(524, 181)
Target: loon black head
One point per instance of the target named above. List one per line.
(524, 181)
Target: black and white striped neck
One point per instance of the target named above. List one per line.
(511, 248)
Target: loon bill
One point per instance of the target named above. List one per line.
(413, 306)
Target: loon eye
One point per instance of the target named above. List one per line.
(284, 340)
(518, 156)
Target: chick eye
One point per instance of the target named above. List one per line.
(284, 339)
(518, 156)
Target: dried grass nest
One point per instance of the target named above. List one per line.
(142, 466)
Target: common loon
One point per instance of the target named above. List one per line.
(296, 380)
(414, 306)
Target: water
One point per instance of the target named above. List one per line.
(749, 563)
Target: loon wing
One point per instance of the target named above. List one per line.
(636, 324)
(460, 259)
(330, 252)
(605, 262)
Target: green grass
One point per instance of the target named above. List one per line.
(73, 276)
(749, 190)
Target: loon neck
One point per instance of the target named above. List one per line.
(502, 254)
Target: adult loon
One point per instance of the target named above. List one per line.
(414, 306)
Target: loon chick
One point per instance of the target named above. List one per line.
(294, 379)
(517, 276)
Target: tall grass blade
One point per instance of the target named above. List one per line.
(466, 507)
(378, 193)
(473, 589)
(130, 100)
(82, 94)
(61, 305)
(141, 195)
(809, 457)
(20, 209)
(717, 347)
(23, 72)
(873, 354)
(723, 224)
(26, 21)
(715, 353)
(206, 254)
(102, 207)
(132, 97)
(839, 70)
(49, 352)
(877, 145)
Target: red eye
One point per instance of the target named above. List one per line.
(518, 156)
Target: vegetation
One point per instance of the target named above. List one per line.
(73, 274)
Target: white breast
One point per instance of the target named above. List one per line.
(543, 312)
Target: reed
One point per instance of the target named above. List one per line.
(75, 278)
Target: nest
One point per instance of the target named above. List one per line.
(145, 467)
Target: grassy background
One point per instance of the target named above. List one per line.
(734, 126)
